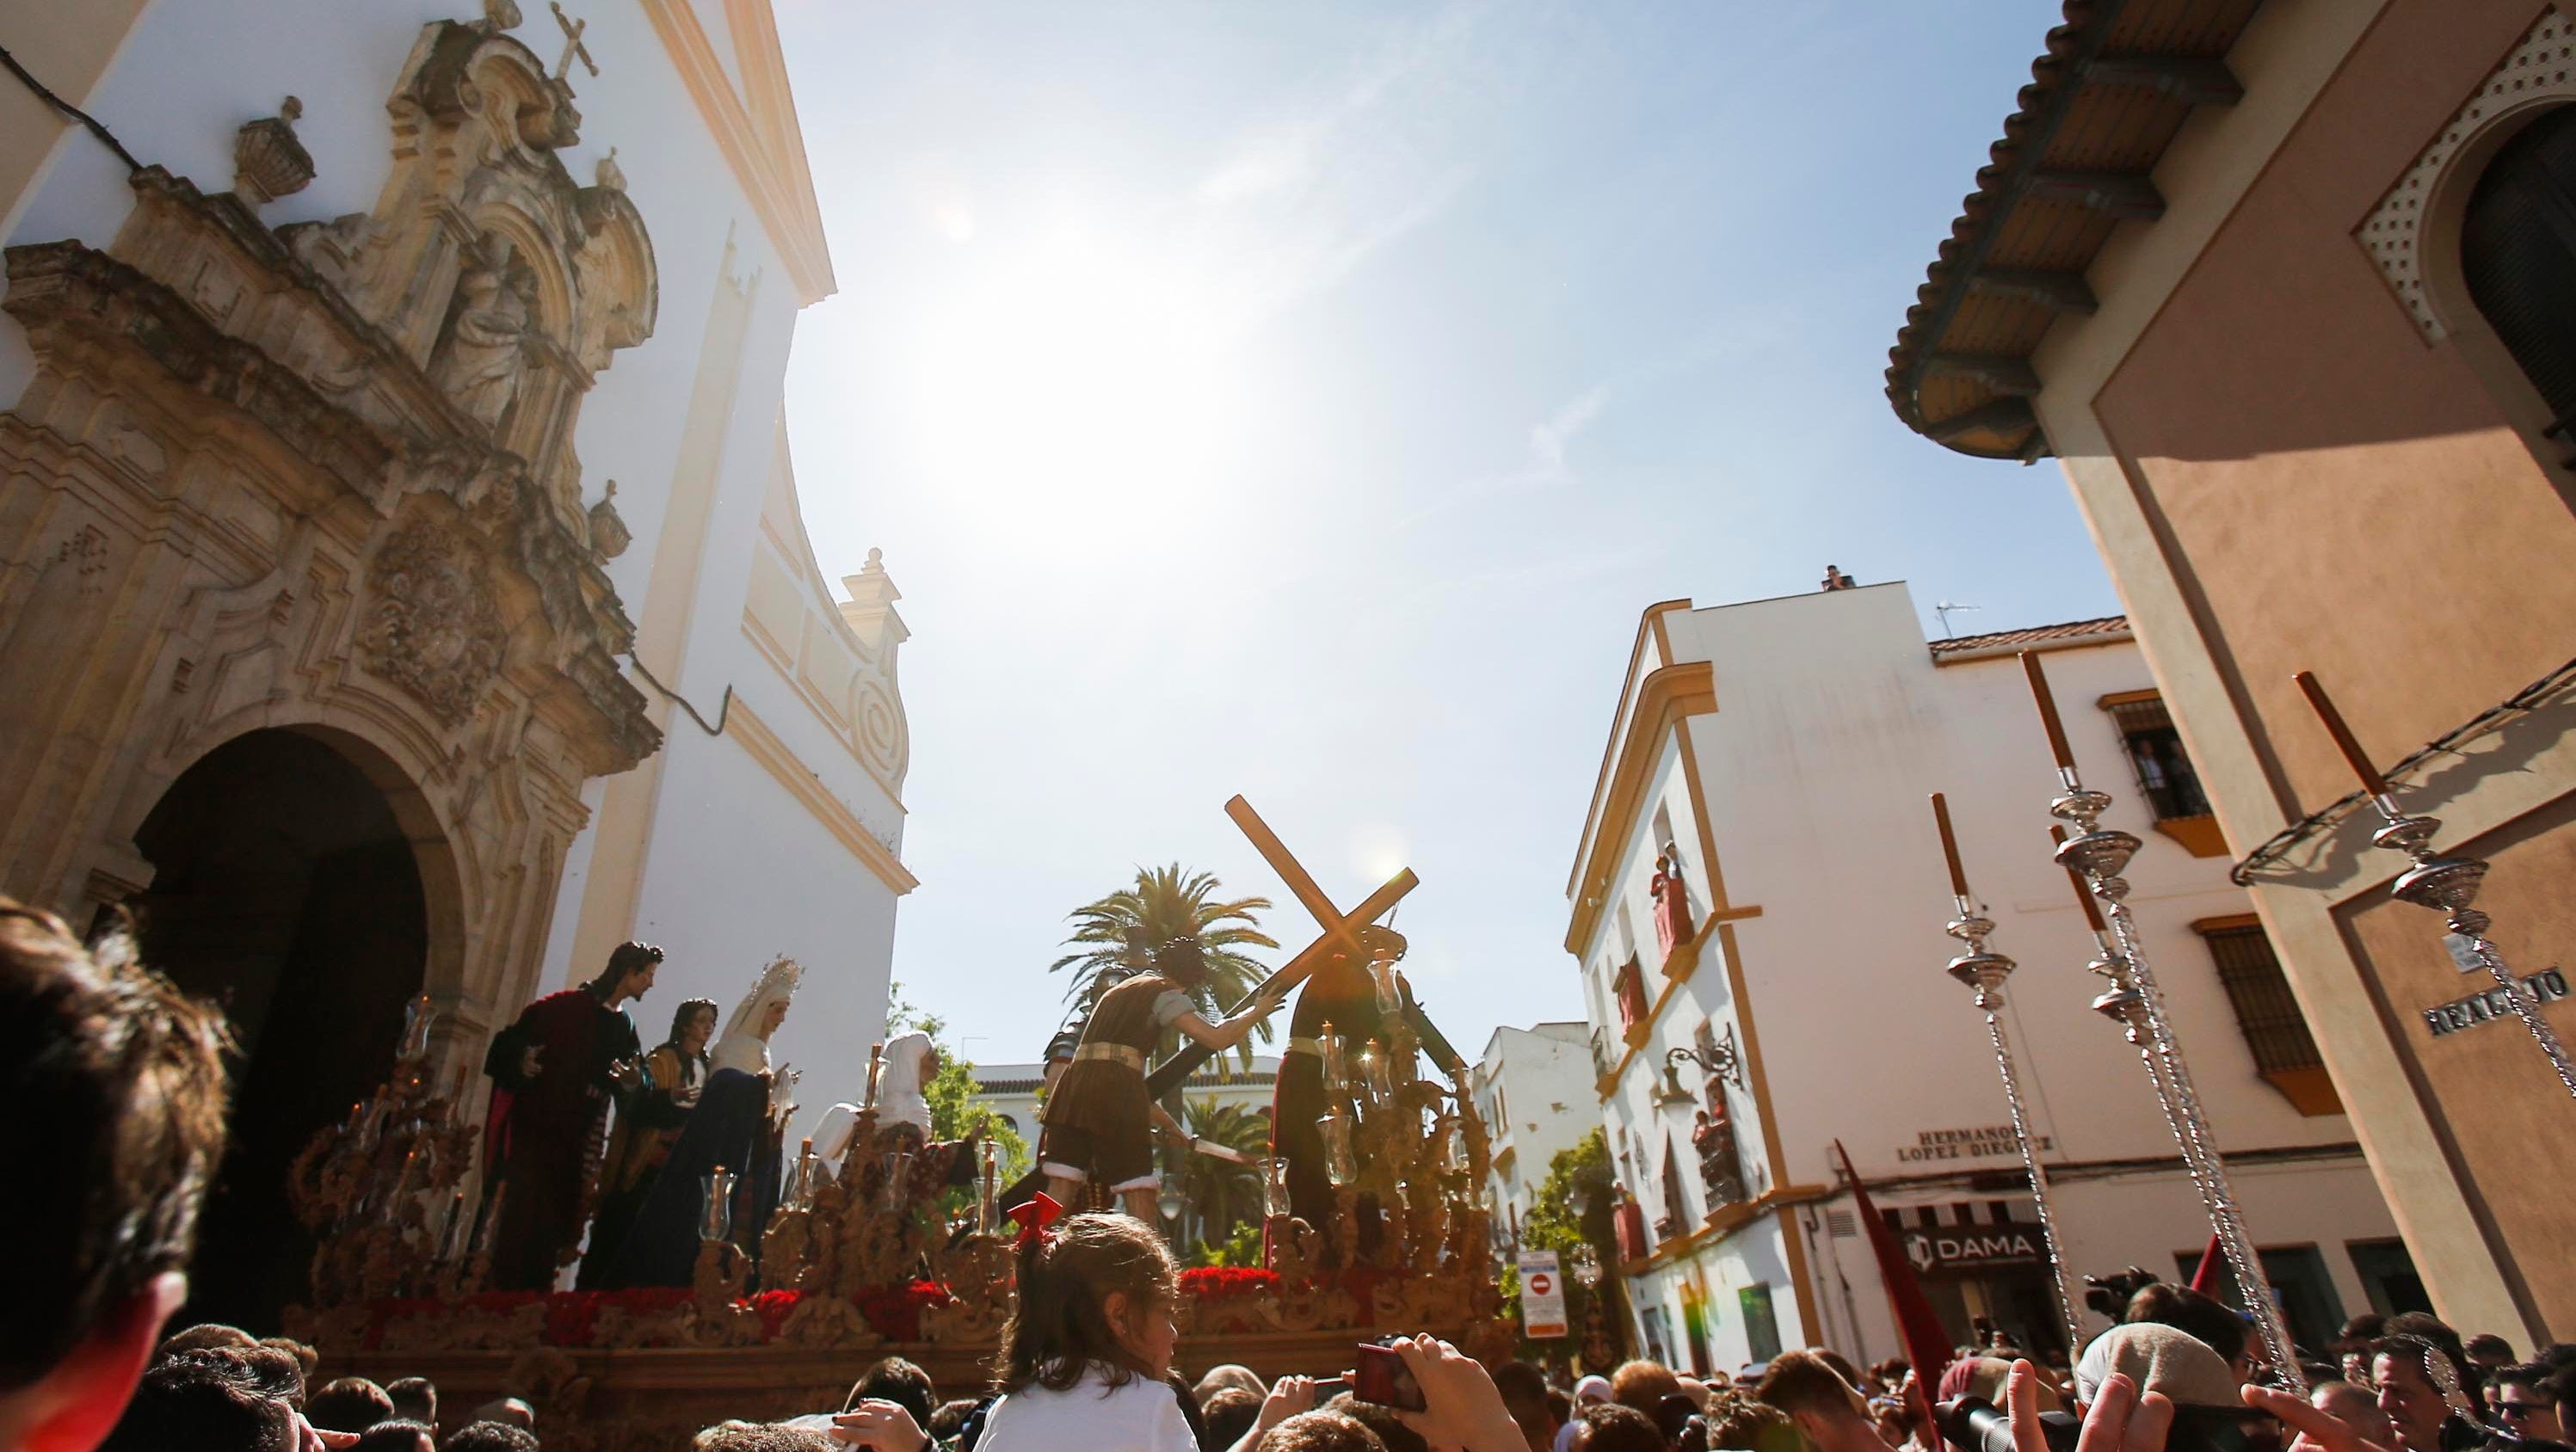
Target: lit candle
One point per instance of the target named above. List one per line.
(447, 1232)
(2048, 721)
(1949, 847)
(2353, 755)
(876, 1066)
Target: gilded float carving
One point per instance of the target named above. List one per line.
(322, 477)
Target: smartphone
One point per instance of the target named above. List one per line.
(1381, 1376)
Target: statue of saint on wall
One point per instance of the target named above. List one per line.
(487, 341)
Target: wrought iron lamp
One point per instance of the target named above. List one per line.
(2447, 885)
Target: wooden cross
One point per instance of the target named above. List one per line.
(572, 30)
(1341, 930)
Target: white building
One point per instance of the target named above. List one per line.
(1783, 750)
(1012, 1090)
(315, 384)
(1534, 1088)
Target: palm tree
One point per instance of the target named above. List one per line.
(1223, 1195)
(1166, 903)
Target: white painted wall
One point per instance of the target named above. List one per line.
(1833, 725)
(736, 869)
(1534, 1088)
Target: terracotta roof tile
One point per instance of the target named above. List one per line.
(2099, 154)
(2072, 630)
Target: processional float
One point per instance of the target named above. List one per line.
(1400, 1241)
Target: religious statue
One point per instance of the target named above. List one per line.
(1672, 902)
(735, 1127)
(554, 1073)
(1099, 1122)
(648, 1125)
(1713, 1135)
(486, 341)
(1345, 998)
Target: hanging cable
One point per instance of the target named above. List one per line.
(45, 94)
(723, 708)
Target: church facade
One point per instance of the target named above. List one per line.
(402, 580)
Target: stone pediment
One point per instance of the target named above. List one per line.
(416, 368)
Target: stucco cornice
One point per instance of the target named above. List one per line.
(1667, 696)
(755, 128)
(780, 760)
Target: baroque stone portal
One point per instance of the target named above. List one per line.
(322, 478)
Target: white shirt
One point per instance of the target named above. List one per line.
(1142, 1416)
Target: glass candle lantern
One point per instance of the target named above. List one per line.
(418, 1016)
(1339, 1165)
(1274, 1187)
(1380, 1070)
(715, 1204)
(1382, 982)
(1334, 1049)
(988, 1191)
(898, 1177)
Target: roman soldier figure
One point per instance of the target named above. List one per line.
(1099, 1118)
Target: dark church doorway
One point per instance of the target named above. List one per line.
(284, 889)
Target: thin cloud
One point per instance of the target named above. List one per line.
(1543, 467)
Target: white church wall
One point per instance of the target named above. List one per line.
(735, 865)
(750, 876)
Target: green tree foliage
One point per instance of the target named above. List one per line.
(1577, 1177)
(1164, 903)
(1243, 1248)
(954, 1114)
(1221, 1195)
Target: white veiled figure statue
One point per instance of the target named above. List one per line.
(734, 1127)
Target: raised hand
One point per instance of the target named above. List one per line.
(880, 1426)
(1460, 1406)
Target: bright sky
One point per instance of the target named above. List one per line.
(1304, 399)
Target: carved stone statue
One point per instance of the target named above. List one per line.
(486, 344)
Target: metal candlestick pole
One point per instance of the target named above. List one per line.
(1984, 972)
(2447, 885)
(2098, 854)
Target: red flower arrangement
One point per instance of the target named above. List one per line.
(1226, 1282)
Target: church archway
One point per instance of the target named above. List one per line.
(286, 888)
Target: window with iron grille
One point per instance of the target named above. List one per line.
(2265, 1010)
(2165, 776)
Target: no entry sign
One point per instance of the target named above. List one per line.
(1542, 1295)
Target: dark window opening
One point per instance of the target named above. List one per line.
(2268, 1013)
(2518, 254)
(2165, 776)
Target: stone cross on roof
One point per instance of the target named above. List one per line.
(572, 30)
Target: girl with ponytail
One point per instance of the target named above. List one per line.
(1088, 1347)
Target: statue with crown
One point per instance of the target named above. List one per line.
(729, 1149)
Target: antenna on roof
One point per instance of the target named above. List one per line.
(1943, 610)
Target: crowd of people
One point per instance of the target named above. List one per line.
(129, 1079)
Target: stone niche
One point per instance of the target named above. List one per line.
(321, 478)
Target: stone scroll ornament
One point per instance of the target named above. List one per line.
(430, 625)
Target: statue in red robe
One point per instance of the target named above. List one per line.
(554, 1072)
(1672, 902)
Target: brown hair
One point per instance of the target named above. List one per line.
(624, 960)
(689, 1008)
(1802, 1381)
(1643, 1385)
(1321, 1431)
(1059, 1325)
(119, 1084)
